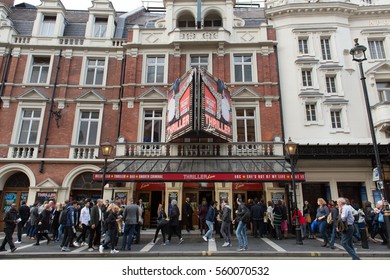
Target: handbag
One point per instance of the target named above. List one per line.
(162, 222)
(308, 218)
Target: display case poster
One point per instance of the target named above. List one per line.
(276, 196)
(222, 196)
(122, 196)
(377, 196)
(45, 196)
(9, 199)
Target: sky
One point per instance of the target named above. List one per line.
(119, 5)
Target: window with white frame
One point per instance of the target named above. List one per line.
(48, 25)
(155, 69)
(100, 27)
(311, 112)
(330, 84)
(245, 124)
(303, 46)
(152, 125)
(95, 71)
(383, 91)
(199, 61)
(40, 70)
(29, 125)
(336, 119)
(88, 127)
(325, 48)
(377, 50)
(307, 78)
(243, 68)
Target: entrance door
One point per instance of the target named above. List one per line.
(15, 190)
(313, 191)
(207, 195)
(156, 199)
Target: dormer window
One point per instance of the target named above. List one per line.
(48, 24)
(186, 21)
(213, 20)
(100, 27)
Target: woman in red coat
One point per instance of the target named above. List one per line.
(302, 221)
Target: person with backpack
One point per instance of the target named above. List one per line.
(243, 216)
(226, 222)
(210, 218)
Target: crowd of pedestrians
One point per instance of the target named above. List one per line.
(75, 224)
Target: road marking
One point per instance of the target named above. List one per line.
(273, 245)
(80, 249)
(149, 246)
(25, 246)
(212, 246)
(336, 245)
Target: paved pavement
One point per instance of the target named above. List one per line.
(195, 246)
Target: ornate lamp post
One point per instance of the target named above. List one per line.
(292, 153)
(358, 53)
(106, 150)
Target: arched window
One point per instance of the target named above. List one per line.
(212, 20)
(85, 181)
(18, 180)
(186, 20)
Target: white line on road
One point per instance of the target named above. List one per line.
(149, 246)
(212, 246)
(80, 249)
(336, 245)
(273, 245)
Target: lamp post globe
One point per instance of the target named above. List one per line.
(106, 150)
(291, 149)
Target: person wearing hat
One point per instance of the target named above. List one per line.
(11, 219)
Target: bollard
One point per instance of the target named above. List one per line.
(363, 236)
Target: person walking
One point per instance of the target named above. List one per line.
(33, 221)
(210, 218)
(142, 206)
(85, 219)
(278, 220)
(270, 219)
(174, 227)
(188, 211)
(55, 216)
(379, 223)
(11, 219)
(242, 218)
(68, 225)
(130, 217)
(345, 212)
(202, 213)
(44, 224)
(95, 231)
(24, 214)
(333, 226)
(322, 214)
(161, 223)
(112, 229)
(226, 223)
(257, 215)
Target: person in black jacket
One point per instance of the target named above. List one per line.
(242, 218)
(44, 224)
(257, 215)
(188, 211)
(11, 219)
(174, 227)
(24, 214)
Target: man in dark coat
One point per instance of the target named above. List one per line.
(11, 219)
(188, 211)
(257, 215)
(174, 227)
(24, 214)
(96, 225)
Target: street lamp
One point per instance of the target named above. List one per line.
(106, 150)
(358, 53)
(292, 153)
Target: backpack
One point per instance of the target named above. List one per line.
(329, 219)
(64, 216)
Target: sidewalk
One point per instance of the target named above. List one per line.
(195, 246)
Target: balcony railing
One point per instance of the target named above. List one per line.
(84, 152)
(236, 149)
(23, 151)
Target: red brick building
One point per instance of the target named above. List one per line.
(72, 79)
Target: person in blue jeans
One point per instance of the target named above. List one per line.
(210, 218)
(322, 214)
(242, 217)
(345, 212)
